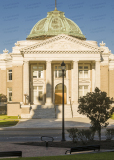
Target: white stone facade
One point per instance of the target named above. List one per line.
(83, 61)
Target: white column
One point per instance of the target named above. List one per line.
(48, 83)
(75, 82)
(97, 73)
(26, 81)
(93, 77)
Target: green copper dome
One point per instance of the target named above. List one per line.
(54, 24)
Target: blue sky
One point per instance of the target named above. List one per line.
(94, 17)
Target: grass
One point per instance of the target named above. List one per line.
(7, 121)
(94, 156)
(8, 117)
(112, 117)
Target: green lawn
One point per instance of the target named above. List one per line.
(96, 156)
(112, 117)
(7, 121)
(8, 117)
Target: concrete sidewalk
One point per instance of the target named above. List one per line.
(56, 123)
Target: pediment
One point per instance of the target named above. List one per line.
(61, 43)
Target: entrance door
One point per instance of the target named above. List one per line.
(37, 94)
(58, 94)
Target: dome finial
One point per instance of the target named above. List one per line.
(55, 6)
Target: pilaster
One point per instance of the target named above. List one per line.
(97, 73)
(48, 83)
(93, 77)
(75, 82)
(26, 81)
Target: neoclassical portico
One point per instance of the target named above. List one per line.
(78, 64)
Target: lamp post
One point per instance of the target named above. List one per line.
(63, 69)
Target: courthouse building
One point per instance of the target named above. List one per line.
(30, 76)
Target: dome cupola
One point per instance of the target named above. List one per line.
(54, 24)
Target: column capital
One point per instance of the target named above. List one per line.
(25, 61)
(76, 61)
(48, 61)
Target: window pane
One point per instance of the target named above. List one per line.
(40, 97)
(40, 68)
(40, 74)
(10, 70)
(35, 74)
(85, 73)
(9, 94)
(80, 74)
(55, 73)
(10, 98)
(80, 67)
(55, 67)
(59, 67)
(10, 76)
(85, 67)
(34, 67)
(85, 90)
(60, 73)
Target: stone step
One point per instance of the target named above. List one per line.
(67, 111)
(43, 111)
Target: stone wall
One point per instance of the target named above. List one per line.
(17, 91)
(104, 78)
(13, 109)
(111, 83)
(3, 89)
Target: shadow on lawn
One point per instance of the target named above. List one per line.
(68, 144)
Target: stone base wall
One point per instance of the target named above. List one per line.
(13, 109)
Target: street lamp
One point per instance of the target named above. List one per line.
(63, 69)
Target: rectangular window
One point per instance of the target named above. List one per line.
(38, 72)
(35, 74)
(58, 72)
(83, 90)
(83, 71)
(10, 75)
(9, 94)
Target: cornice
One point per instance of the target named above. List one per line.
(62, 36)
(61, 52)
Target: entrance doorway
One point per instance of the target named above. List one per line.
(58, 94)
(37, 94)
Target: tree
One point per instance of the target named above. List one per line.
(3, 98)
(97, 107)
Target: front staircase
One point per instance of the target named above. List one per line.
(40, 111)
(44, 111)
(67, 111)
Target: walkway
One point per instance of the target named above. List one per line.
(56, 123)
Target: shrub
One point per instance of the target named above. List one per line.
(73, 134)
(85, 135)
(109, 133)
(3, 98)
